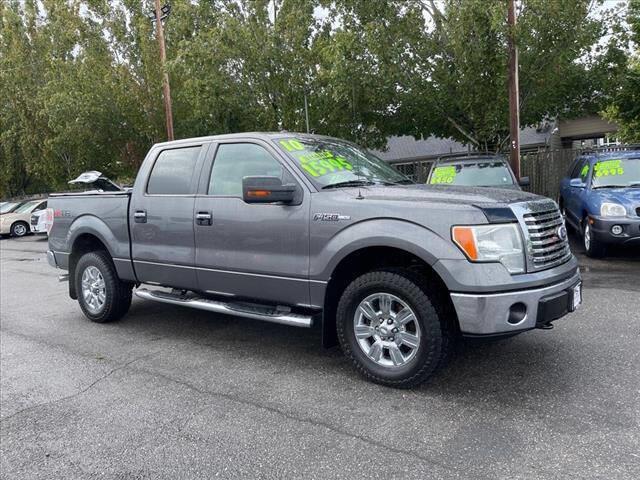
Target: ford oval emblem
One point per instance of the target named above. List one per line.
(562, 232)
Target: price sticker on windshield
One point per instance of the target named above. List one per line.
(318, 163)
(608, 168)
(444, 175)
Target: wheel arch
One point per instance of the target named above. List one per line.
(370, 258)
(83, 243)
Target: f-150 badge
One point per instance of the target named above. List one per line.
(329, 217)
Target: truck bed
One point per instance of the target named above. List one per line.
(104, 214)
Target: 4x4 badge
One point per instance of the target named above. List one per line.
(329, 217)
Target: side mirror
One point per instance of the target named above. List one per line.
(576, 183)
(267, 190)
(524, 181)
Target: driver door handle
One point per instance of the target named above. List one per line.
(204, 218)
(140, 216)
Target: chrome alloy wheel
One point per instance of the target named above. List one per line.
(387, 330)
(94, 289)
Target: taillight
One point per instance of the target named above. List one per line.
(48, 220)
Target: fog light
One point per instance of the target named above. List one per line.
(517, 313)
(616, 229)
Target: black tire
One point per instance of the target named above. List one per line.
(117, 293)
(436, 339)
(593, 248)
(19, 229)
(563, 212)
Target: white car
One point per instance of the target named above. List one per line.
(41, 220)
(17, 222)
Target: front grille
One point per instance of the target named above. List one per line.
(548, 242)
(638, 211)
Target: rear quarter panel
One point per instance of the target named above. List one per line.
(103, 215)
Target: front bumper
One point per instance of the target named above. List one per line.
(601, 227)
(515, 311)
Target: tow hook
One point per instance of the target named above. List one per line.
(545, 326)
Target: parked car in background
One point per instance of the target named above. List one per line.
(8, 207)
(17, 223)
(600, 199)
(475, 170)
(40, 219)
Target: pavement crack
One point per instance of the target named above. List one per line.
(79, 392)
(295, 418)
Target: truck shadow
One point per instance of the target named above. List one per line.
(499, 370)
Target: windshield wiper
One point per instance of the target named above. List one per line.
(349, 183)
(634, 184)
(610, 186)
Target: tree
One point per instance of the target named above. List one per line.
(625, 106)
(457, 86)
(81, 81)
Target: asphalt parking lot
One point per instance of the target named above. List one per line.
(178, 393)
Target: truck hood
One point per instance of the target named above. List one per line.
(628, 197)
(476, 196)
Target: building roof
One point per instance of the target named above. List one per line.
(407, 148)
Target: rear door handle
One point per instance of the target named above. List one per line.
(140, 216)
(203, 218)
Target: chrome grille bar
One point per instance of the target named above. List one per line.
(542, 224)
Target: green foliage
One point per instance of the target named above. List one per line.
(624, 108)
(81, 81)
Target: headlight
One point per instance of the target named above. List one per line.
(492, 243)
(612, 210)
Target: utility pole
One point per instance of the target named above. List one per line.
(306, 110)
(514, 92)
(160, 14)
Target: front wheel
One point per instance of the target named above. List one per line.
(592, 246)
(19, 229)
(103, 297)
(390, 328)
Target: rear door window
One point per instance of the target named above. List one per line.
(173, 171)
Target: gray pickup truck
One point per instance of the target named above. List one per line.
(298, 229)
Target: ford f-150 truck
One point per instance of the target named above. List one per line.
(297, 229)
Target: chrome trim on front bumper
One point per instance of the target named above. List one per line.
(486, 314)
(51, 259)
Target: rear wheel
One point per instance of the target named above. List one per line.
(19, 229)
(390, 328)
(102, 296)
(592, 246)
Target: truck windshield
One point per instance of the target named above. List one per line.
(620, 172)
(331, 163)
(477, 174)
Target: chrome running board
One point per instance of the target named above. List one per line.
(256, 312)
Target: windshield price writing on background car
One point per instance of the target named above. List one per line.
(623, 172)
